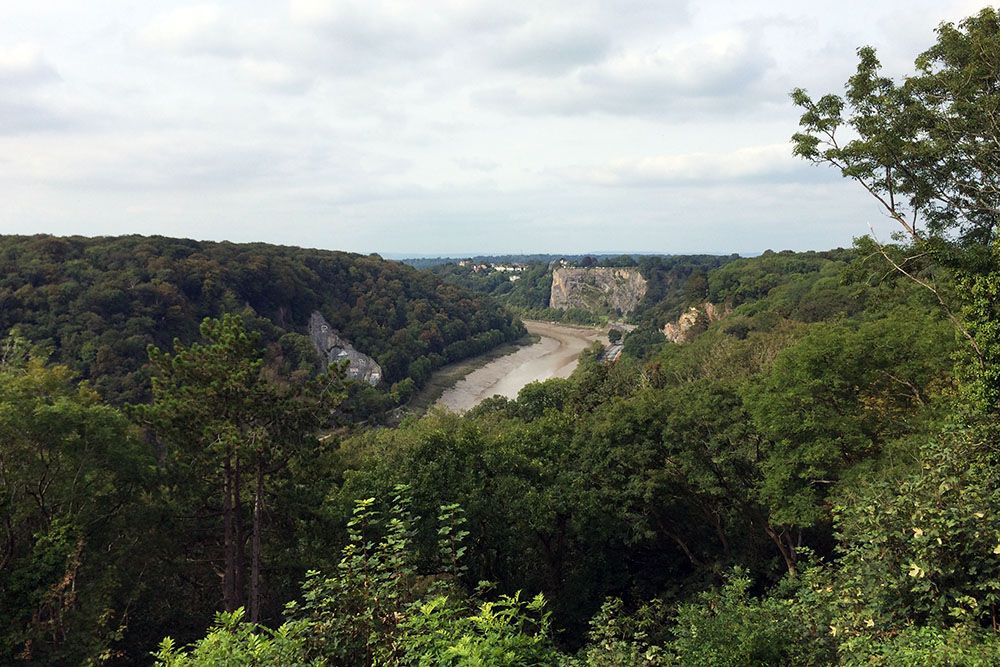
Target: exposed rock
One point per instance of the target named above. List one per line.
(615, 290)
(336, 350)
(694, 321)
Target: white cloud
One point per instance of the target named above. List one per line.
(25, 65)
(275, 75)
(743, 164)
(312, 11)
(551, 48)
(684, 79)
(192, 29)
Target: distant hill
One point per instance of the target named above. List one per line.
(97, 303)
(603, 258)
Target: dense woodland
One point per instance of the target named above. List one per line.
(96, 304)
(813, 480)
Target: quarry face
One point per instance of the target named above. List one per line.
(597, 289)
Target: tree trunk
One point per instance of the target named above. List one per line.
(258, 511)
(720, 531)
(785, 547)
(679, 542)
(229, 599)
(239, 580)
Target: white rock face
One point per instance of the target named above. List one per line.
(336, 349)
(616, 290)
(693, 322)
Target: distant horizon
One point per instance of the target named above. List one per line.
(397, 256)
(594, 253)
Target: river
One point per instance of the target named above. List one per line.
(554, 355)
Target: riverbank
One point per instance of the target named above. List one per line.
(446, 377)
(554, 355)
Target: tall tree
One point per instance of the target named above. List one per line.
(222, 416)
(928, 150)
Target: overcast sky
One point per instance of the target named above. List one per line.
(436, 126)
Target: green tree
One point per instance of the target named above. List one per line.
(72, 478)
(379, 607)
(922, 545)
(926, 149)
(225, 417)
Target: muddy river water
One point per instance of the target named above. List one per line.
(554, 355)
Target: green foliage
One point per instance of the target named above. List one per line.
(728, 626)
(377, 609)
(618, 639)
(747, 280)
(672, 284)
(831, 400)
(924, 546)
(231, 430)
(233, 642)
(353, 615)
(98, 303)
(923, 147)
(643, 342)
(509, 632)
(981, 314)
(71, 476)
(962, 646)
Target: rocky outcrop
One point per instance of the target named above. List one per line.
(336, 350)
(695, 320)
(599, 289)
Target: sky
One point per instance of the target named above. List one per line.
(438, 127)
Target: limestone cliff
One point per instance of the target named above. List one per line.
(598, 289)
(692, 322)
(335, 350)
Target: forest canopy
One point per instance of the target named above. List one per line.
(97, 303)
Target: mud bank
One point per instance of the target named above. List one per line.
(554, 355)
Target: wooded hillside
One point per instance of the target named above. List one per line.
(98, 303)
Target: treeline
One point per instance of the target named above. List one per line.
(598, 259)
(97, 304)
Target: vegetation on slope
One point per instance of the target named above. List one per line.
(98, 303)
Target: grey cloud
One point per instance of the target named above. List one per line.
(25, 66)
(351, 39)
(194, 30)
(25, 78)
(772, 163)
(692, 80)
(552, 49)
(27, 116)
(159, 166)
